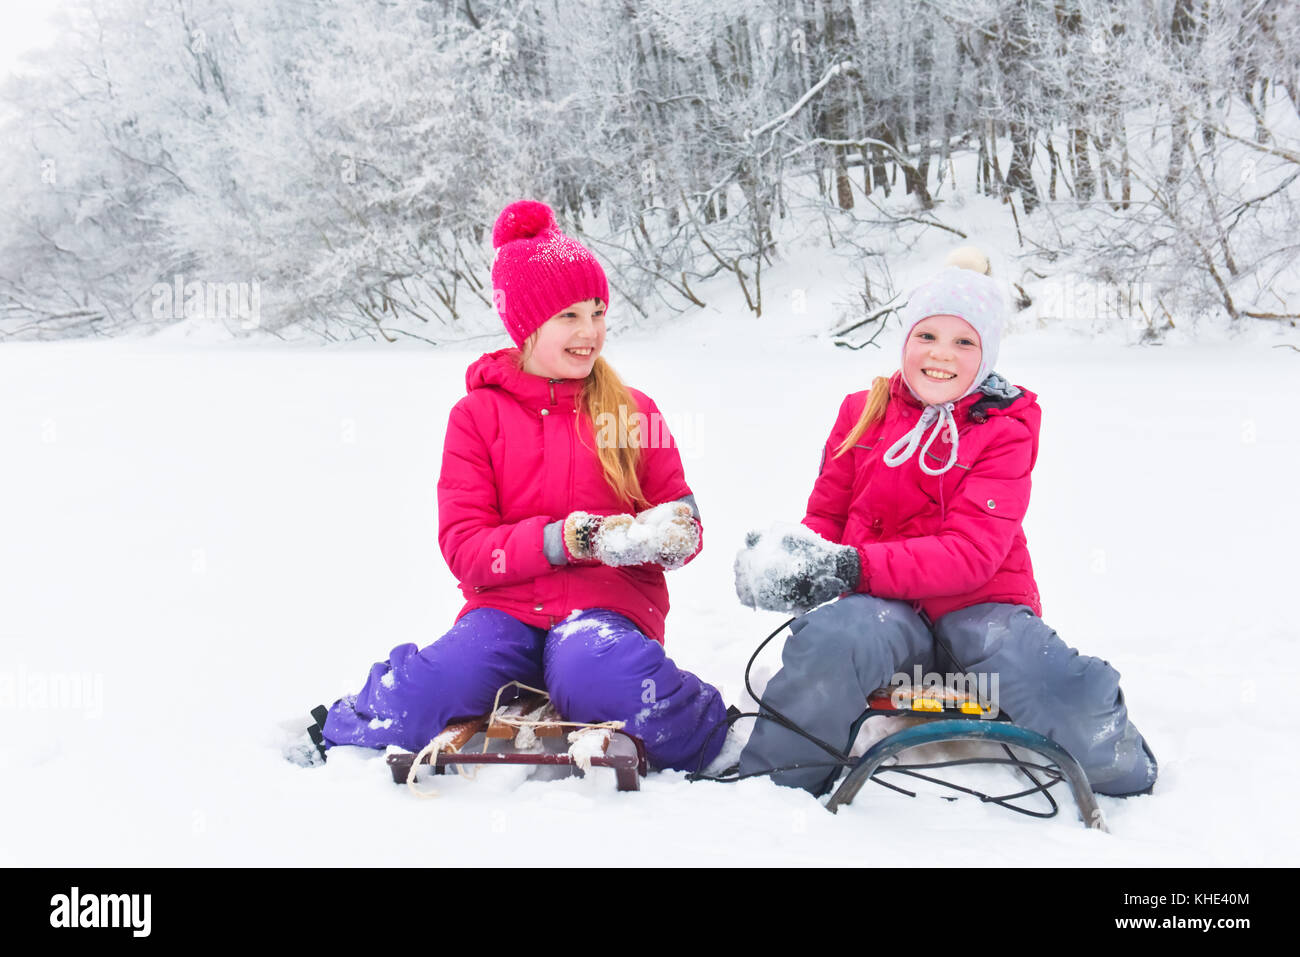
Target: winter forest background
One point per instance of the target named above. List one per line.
(344, 160)
(230, 230)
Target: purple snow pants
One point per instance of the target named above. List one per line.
(595, 665)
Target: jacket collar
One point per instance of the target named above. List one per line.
(962, 411)
(501, 370)
(898, 391)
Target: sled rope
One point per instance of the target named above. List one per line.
(431, 751)
(523, 721)
(435, 747)
(437, 744)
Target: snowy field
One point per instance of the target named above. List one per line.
(198, 541)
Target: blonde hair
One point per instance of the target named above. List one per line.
(877, 400)
(965, 257)
(603, 393)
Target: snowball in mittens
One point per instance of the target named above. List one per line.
(674, 533)
(790, 568)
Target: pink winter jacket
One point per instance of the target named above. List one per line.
(512, 463)
(942, 542)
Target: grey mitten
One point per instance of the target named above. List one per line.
(793, 569)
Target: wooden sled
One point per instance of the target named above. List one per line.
(521, 731)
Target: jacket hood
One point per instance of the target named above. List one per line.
(500, 370)
(999, 398)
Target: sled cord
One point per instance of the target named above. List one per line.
(431, 751)
(1002, 800)
(840, 759)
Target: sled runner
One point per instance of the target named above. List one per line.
(528, 731)
(952, 716)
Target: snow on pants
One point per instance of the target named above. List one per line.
(839, 653)
(595, 665)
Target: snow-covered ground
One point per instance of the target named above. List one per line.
(199, 541)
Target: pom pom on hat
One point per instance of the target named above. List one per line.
(538, 270)
(969, 257)
(522, 220)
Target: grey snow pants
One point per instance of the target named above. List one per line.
(839, 653)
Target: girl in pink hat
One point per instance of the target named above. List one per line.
(914, 526)
(561, 503)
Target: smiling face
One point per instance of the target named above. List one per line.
(567, 344)
(940, 359)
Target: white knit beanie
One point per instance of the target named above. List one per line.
(967, 295)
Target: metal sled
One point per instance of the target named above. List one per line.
(954, 716)
(957, 717)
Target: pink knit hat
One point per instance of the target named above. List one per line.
(538, 270)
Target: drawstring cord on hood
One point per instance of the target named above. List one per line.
(902, 450)
(994, 387)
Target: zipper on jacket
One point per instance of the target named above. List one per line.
(551, 383)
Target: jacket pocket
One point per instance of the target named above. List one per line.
(997, 498)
